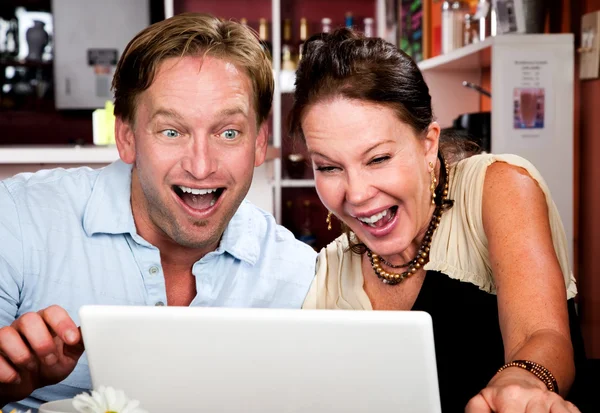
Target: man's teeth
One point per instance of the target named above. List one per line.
(374, 218)
(195, 191)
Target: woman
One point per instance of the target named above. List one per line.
(475, 241)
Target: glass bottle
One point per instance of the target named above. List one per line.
(453, 13)
(303, 36)
(263, 35)
(290, 217)
(12, 39)
(368, 21)
(485, 17)
(325, 25)
(306, 234)
(287, 32)
(287, 63)
(470, 30)
(349, 21)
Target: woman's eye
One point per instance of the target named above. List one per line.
(170, 133)
(230, 134)
(326, 168)
(379, 159)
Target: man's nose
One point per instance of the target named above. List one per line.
(200, 160)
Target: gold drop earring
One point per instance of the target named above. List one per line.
(433, 183)
(328, 220)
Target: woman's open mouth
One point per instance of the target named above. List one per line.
(380, 219)
(198, 198)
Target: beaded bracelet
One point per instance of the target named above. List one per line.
(537, 370)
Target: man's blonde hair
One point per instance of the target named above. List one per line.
(191, 34)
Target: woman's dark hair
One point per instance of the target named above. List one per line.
(346, 64)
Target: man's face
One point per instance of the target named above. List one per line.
(194, 146)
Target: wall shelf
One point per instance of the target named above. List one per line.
(473, 56)
(297, 183)
(73, 154)
(479, 55)
(58, 154)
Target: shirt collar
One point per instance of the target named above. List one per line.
(242, 237)
(109, 212)
(109, 208)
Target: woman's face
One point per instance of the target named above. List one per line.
(371, 170)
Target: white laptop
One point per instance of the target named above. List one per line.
(181, 359)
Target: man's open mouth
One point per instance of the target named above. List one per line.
(198, 198)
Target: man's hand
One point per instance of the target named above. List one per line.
(37, 350)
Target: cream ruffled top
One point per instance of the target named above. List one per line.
(459, 247)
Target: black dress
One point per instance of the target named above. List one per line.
(468, 342)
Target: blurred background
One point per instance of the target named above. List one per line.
(513, 76)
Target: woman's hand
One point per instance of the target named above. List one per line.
(516, 390)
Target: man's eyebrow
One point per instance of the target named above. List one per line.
(233, 111)
(166, 113)
(227, 112)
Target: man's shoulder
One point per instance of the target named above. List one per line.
(276, 241)
(50, 181)
(48, 198)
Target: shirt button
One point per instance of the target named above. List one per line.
(154, 270)
(159, 304)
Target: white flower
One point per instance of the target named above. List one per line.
(106, 400)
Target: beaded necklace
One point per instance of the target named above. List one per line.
(422, 256)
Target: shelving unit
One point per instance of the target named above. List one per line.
(516, 62)
(502, 56)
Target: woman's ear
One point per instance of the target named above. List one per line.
(431, 142)
(125, 140)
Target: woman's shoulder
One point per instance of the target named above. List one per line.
(469, 175)
(481, 161)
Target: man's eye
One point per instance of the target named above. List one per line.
(170, 133)
(230, 134)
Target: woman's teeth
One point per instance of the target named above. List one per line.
(374, 218)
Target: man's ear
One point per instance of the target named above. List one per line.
(260, 149)
(125, 140)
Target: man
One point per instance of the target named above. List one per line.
(166, 225)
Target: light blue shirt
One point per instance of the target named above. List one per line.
(67, 237)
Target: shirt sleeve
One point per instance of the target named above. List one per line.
(11, 257)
